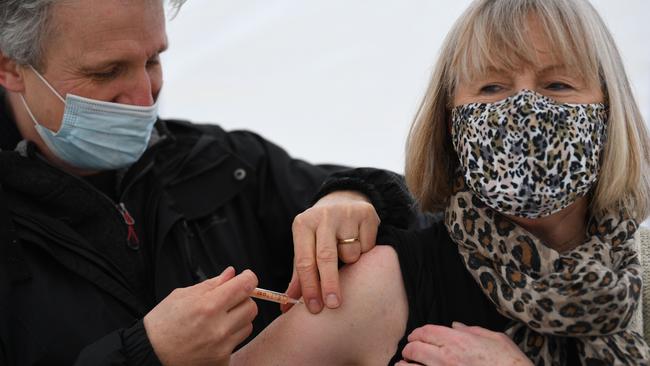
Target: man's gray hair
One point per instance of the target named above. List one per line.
(23, 24)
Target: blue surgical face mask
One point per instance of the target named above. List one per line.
(97, 135)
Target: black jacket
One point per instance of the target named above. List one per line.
(84, 269)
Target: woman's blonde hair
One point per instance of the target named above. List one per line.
(494, 33)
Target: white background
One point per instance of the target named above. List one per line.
(333, 80)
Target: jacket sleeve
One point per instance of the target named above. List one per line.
(127, 346)
(386, 190)
(288, 186)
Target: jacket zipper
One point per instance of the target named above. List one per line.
(132, 237)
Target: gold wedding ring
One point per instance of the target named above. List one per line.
(348, 241)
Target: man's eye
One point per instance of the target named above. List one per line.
(559, 86)
(107, 75)
(153, 62)
(490, 89)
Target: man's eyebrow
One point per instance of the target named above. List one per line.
(105, 64)
(117, 61)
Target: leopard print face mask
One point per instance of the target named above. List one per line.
(527, 155)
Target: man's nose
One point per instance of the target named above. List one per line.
(138, 91)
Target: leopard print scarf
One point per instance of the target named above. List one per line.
(589, 294)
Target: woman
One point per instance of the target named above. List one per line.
(530, 141)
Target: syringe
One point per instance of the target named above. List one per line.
(260, 293)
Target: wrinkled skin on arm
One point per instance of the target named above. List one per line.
(364, 330)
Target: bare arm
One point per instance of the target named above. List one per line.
(364, 330)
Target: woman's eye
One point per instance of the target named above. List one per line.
(559, 86)
(491, 89)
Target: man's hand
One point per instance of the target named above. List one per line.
(341, 225)
(202, 324)
(461, 345)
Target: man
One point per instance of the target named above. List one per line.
(119, 229)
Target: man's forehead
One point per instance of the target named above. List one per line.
(88, 29)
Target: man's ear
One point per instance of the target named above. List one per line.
(11, 75)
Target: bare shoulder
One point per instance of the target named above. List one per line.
(364, 330)
(376, 269)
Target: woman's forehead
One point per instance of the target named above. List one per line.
(526, 43)
(501, 60)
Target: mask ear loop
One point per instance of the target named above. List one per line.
(47, 83)
(29, 110)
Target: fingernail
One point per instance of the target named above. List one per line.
(458, 325)
(332, 301)
(225, 270)
(314, 306)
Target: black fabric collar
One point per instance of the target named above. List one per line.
(9, 135)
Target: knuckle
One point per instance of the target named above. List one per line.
(252, 309)
(305, 264)
(248, 329)
(429, 328)
(220, 333)
(299, 221)
(323, 213)
(372, 218)
(407, 351)
(326, 255)
(413, 351)
(177, 292)
(349, 211)
(375, 219)
(368, 209)
(329, 282)
(310, 290)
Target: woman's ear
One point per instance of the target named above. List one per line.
(11, 75)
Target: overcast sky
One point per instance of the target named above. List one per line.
(333, 80)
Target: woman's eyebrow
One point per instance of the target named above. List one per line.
(560, 68)
(489, 72)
